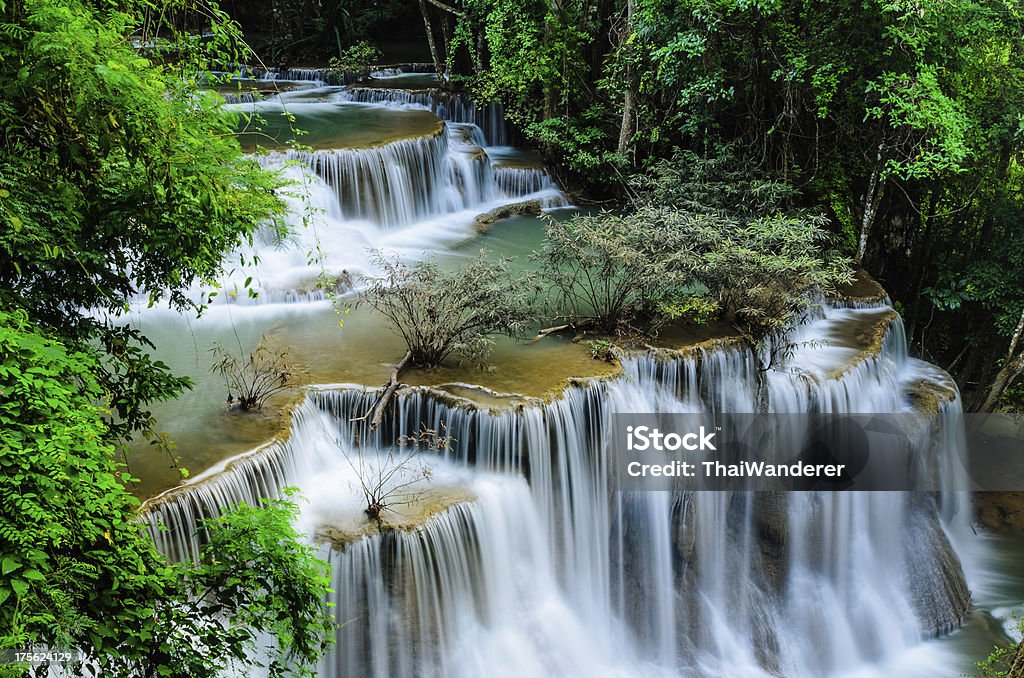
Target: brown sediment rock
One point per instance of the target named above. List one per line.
(405, 517)
(517, 209)
(863, 289)
(999, 510)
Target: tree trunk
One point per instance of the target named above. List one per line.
(1017, 667)
(871, 201)
(478, 57)
(381, 406)
(434, 54)
(629, 99)
(1011, 369)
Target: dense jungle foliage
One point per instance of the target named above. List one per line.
(119, 176)
(901, 119)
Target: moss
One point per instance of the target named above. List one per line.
(928, 397)
(863, 289)
(484, 221)
(866, 334)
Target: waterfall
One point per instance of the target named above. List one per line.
(343, 203)
(514, 181)
(320, 76)
(394, 184)
(546, 571)
(452, 107)
(405, 197)
(412, 180)
(391, 70)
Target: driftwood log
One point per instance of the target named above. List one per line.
(380, 406)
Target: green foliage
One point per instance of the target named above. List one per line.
(707, 237)
(602, 349)
(444, 314)
(905, 120)
(356, 58)
(696, 309)
(722, 183)
(119, 176)
(1000, 660)
(78, 570)
(930, 127)
(256, 569)
(535, 54)
(575, 143)
(608, 269)
(761, 262)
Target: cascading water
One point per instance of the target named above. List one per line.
(402, 196)
(547, 572)
(522, 180)
(490, 118)
(393, 185)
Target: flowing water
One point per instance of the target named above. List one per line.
(516, 557)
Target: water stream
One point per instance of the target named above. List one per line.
(516, 558)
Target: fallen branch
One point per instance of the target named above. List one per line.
(446, 8)
(381, 405)
(545, 332)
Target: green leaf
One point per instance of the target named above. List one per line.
(8, 565)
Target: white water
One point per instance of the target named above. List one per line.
(547, 572)
(406, 198)
(489, 118)
(559, 577)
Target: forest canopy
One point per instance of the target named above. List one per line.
(902, 121)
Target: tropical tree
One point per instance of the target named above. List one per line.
(80, 573)
(120, 178)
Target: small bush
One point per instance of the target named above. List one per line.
(694, 309)
(602, 349)
(721, 183)
(252, 380)
(606, 270)
(397, 478)
(356, 58)
(452, 314)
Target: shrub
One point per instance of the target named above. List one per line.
(602, 349)
(251, 381)
(696, 309)
(664, 264)
(356, 58)
(605, 270)
(444, 314)
(396, 478)
(722, 183)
